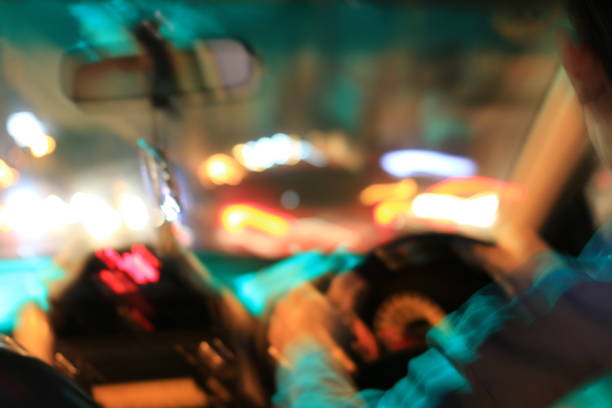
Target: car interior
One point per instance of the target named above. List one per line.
(170, 169)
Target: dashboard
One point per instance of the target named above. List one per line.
(134, 319)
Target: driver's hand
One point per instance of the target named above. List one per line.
(304, 315)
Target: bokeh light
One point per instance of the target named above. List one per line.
(134, 212)
(477, 211)
(400, 191)
(25, 128)
(280, 149)
(23, 213)
(408, 163)
(43, 146)
(387, 212)
(237, 217)
(58, 213)
(28, 131)
(98, 218)
(221, 169)
(8, 175)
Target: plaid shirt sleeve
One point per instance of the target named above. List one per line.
(315, 381)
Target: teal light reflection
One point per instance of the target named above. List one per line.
(23, 281)
(106, 28)
(594, 394)
(256, 290)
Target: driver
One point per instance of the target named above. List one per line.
(547, 345)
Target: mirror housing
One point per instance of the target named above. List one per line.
(218, 70)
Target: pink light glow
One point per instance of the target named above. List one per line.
(139, 264)
(117, 282)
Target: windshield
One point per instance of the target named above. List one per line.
(287, 126)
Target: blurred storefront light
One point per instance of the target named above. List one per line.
(43, 146)
(57, 213)
(400, 191)
(28, 131)
(221, 169)
(478, 211)
(24, 128)
(134, 212)
(98, 218)
(8, 175)
(409, 163)
(30, 216)
(238, 217)
(23, 213)
(387, 212)
(26, 214)
(280, 149)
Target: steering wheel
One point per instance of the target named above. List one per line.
(412, 283)
(404, 288)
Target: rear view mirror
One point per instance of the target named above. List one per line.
(220, 70)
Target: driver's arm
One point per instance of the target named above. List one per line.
(310, 376)
(315, 380)
(300, 337)
(302, 321)
(487, 338)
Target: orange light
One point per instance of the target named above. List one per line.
(387, 212)
(43, 147)
(466, 187)
(238, 217)
(221, 169)
(400, 191)
(8, 175)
